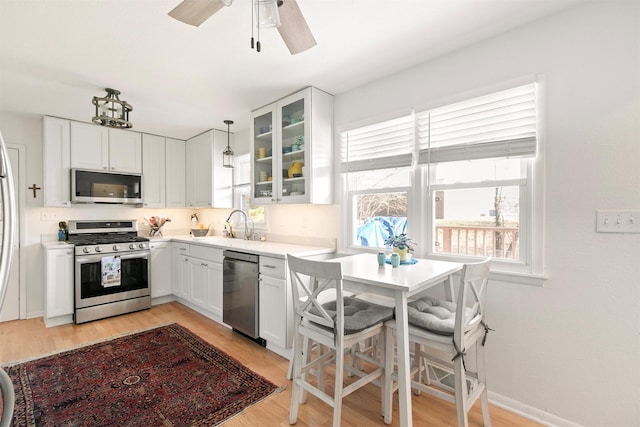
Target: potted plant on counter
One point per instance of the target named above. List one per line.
(401, 243)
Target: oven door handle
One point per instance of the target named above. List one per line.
(83, 259)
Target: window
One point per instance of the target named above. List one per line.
(242, 191)
(475, 208)
(460, 179)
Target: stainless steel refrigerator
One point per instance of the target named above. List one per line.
(8, 219)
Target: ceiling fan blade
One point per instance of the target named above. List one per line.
(195, 12)
(293, 28)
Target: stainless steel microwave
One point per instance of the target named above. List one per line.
(89, 186)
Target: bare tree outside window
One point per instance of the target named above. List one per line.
(387, 204)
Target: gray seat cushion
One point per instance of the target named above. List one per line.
(434, 315)
(359, 315)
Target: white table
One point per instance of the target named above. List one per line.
(362, 274)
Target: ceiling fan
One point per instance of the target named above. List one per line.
(293, 27)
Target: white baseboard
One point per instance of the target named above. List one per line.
(162, 299)
(530, 412)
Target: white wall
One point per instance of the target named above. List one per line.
(568, 351)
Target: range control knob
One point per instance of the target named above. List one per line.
(98, 248)
(132, 246)
(141, 245)
(86, 249)
(116, 248)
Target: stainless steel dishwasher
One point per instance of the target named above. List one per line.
(240, 300)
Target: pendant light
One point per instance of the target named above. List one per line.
(227, 154)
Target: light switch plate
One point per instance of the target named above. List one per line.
(618, 221)
(50, 215)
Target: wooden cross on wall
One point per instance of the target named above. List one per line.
(34, 188)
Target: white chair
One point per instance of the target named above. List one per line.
(323, 297)
(335, 327)
(451, 329)
(8, 398)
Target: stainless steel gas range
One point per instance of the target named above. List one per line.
(111, 268)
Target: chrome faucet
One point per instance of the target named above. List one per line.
(248, 235)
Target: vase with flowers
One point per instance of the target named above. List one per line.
(401, 244)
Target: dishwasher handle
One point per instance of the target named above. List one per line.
(241, 256)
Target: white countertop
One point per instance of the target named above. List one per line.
(273, 249)
(53, 244)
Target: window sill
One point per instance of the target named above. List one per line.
(519, 278)
(528, 279)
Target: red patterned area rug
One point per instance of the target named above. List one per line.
(165, 376)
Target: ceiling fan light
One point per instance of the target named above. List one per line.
(267, 13)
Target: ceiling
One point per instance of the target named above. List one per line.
(55, 55)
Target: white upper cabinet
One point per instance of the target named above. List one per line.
(89, 146)
(56, 137)
(208, 182)
(153, 171)
(291, 149)
(125, 151)
(175, 176)
(98, 148)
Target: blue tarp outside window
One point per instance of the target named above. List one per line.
(377, 229)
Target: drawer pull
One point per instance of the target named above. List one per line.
(269, 266)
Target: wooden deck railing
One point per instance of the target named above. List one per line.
(498, 242)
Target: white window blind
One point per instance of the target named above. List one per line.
(382, 145)
(501, 124)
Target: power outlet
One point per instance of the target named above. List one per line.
(618, 221)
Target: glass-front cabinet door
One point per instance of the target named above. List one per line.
(264, 162)
(287, 166)
(293, 130)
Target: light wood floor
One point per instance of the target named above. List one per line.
(24, 339)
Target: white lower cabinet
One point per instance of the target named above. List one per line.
(180, 264)
(205, 279)
(198, 281)
(273, 324)
(161, 269)
(275, 308)
(214, 291)
(197, 277)
(58, 285)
